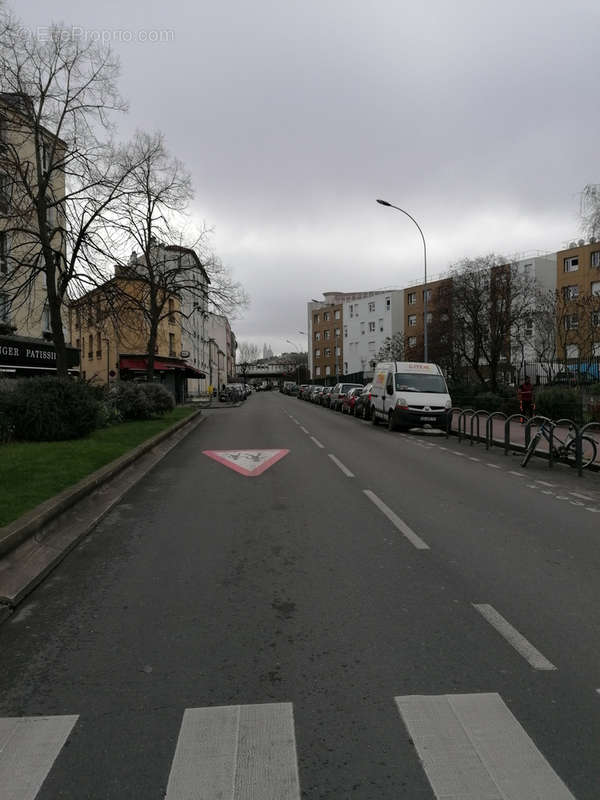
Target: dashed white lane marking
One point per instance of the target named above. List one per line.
(547, 491)
(303, 429)
(343, 467)
(28, 748)
(236, 752)
(561, 497)
(443, 448)
(581, 496)
(513, 637)
(493, 466)
(472, 458)
(396, 521)
(317, 442)
(593, 510)
(518, 474)
(471, 745)
(577, 503)
(545, 483)
(457, 453)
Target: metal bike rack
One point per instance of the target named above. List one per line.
(579, 447)
(462, 418)
(489, 433)
(475, 417)
(449, 419)
(507, 422)
(574, 425)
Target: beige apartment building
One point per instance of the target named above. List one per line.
(578, 284)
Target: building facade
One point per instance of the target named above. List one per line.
(370, 318)
(578, 287)
(325, 337)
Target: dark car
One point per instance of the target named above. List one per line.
(362, 406)
(349, 400)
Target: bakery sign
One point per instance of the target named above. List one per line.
(23, 353)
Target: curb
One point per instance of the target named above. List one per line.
(32, 521)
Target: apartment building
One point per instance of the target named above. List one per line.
(437, 294)
(26, 346)
(578, 284)
(220, 345)
(325, 342)
(369, 319)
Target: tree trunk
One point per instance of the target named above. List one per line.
(151, 352)
(56, 323)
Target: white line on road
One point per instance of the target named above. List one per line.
(593, 510)
(28, 748)
(513, 637)
(303, 429)
(443, 448)
(236, 752)
(581, 496)
(518, 474)
(545, 483)
(472, 458)
(471, 745)
(457, 453)
(317, 442)
(343, 467)
(493, 466)
(396, 521)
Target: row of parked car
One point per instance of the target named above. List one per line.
(349, 398)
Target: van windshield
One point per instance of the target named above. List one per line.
(420, 383)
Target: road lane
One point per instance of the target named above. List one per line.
(208, 589)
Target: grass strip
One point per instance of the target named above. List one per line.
(31, 472)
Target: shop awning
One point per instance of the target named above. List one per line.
(140, 364)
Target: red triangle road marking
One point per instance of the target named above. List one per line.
(249, 463)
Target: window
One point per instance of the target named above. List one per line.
(595, 258)
(46, 321)
(371, 306)
(45, 156)
(571, 264)
(98, 345)
(171, 344)
(371, 327)
(595, 287)
(337, 332)
(412, 298)
(345, 367)
(570, 292)
(4, 308)
(362, 328)
(78, 344)
(91, 347)
(326, 316)
(596, 349)
(412, 320)
(445, 316)
(572, 351)
(338, 352)
(326, 334)
(328, 370)
(356, 309)
(427, 295)
(3, 253)
(337, 314)
(429, 317)
(316, 319)
(571, 322)
(351, 310)
(317, 372)
(388, 303)
(345, 331)
(595, 318)
(372, 347)
(528, 327)
(327, 352)
(412, 341)
(381, 325)
(171, 312)
(317, 354)
(317, 336)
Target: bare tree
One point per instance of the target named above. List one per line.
(60, 166)
(394, 348)
(248, 352)
(590, 210)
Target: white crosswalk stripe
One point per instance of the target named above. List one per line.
(471, 746)
(28, 748)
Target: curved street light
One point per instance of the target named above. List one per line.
(391, 205)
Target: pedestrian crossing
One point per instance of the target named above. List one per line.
(471, 747)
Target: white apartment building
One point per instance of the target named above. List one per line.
(369, 319)
(542, 270)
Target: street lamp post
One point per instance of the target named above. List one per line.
(391, 205)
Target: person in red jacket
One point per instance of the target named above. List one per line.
(526, 397)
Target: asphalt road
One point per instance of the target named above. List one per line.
(313, 596)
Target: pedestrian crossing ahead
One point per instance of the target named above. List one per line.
(471, 747)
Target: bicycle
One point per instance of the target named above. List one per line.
(562, 449)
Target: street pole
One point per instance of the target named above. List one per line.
(391, 205)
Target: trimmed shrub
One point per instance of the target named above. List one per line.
(558, 402)
(160, 399)
(50, 409)
(130, 400)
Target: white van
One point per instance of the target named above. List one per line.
(409, 394)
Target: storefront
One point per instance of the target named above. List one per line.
(171, 372)
(21, 356)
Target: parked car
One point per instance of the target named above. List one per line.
(362, 405)
(349, 400)
(340, 390)
(302, 390)
(326, 396)
(409, 394)
(316, 393)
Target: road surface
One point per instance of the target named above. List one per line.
(373, 616)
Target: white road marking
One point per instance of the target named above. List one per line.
(443, 448)
(317, 442)
(561, 497)
(493, 466)
(513, 637)
(531, 486)
(343, 467)
(303, 429)
(547, 491)
(472, 746)
(593, 510)
(396, 521)
(236, 752)
(457, 453)
(28, 749)
(581, 496)
(545, 483)
(518, 474)
(577, 503)
(472, 458)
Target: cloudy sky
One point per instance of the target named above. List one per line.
(480, 118)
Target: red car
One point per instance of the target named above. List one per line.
(348, 401)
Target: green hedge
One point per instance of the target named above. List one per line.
(559, 402)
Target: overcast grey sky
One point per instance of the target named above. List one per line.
(479, 118)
